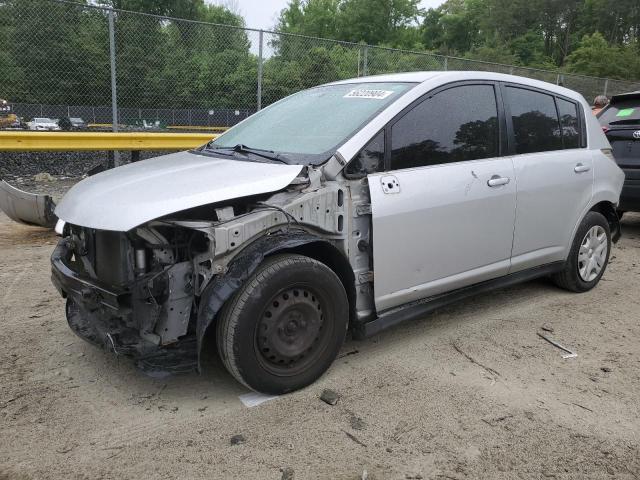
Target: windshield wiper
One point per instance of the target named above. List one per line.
(240, 148)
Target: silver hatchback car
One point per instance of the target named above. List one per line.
(351, 206)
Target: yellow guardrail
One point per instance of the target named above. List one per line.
(197, 127)
(20, 141)
(169, 127)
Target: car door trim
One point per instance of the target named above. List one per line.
(419, 308)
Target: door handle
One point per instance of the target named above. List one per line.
(497, 180)
(580, 168)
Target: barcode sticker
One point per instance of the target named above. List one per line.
(375, 94)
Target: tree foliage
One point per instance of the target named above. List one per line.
(548, 34)
(58, 53)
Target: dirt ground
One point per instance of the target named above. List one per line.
(468, 392)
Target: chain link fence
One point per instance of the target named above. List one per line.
(60, 59)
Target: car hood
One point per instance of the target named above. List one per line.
(125, 197)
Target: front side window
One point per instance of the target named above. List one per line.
(569, 120)
(309, 126)
(535, 121)
(369, 160)
(457, 124)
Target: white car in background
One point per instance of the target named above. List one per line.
(354, 205)
(43, 124)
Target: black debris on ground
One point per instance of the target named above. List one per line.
(329, 396)
(356, 422)
(287, 473)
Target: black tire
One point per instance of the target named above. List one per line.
(284, 326)
(570, 278)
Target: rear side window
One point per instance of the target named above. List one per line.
(535, 121)
(454, 125)
(569, 121)
(627, 111)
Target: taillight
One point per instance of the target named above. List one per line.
(605, 129)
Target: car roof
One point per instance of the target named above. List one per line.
(453, 76)
(424, 82)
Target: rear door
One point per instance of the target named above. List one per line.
(443, 213)
(554, 173)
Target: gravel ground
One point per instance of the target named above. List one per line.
(21, 167)
(468, 392)
(61, 170)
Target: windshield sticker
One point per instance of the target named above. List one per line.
(625, 112)
(375, 94)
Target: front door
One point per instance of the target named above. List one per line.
(443, 213)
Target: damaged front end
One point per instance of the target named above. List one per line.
(152, 292)
(132, 293)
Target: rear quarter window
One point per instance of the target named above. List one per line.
(569, 121)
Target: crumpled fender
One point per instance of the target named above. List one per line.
(222, 287)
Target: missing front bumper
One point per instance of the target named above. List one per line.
(25, 207)
(103, 316)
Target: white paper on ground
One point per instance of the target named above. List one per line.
(253, 399)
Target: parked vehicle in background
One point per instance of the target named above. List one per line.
(357, 204)
(620, 121)
(72, 123)
(43, 124)
(8, 119)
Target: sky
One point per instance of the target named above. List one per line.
(263, 13)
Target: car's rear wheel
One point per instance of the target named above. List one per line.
(589, 255)
(284, 327)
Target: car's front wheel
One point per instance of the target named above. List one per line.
(589, 255)
(284, 327)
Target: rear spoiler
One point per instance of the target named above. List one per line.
(625, 96)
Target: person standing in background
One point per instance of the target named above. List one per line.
(599, 103)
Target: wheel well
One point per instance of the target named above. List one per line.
(336, 261)
(609, 211)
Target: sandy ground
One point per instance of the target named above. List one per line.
(469, 392)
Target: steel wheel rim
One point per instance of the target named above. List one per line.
(592, 253)
(292, 331)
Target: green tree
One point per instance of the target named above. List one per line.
(594, 56)
(61, 57)
(390, 22)
(11, 74)
(378, 21)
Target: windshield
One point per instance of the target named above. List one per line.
(309, 126)
(43, 120)
(626, 111)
